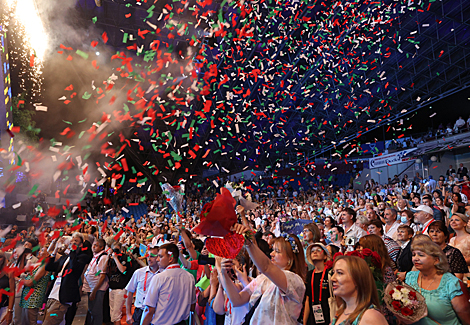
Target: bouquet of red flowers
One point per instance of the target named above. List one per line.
(404, 302)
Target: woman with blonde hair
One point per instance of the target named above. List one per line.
(276, 296)
(354, 285)
(445, 300)
(461, 240)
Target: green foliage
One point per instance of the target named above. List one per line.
(23, 117)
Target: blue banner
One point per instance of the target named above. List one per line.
(294, 226)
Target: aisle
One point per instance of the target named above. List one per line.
(80, 316)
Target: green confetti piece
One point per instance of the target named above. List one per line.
(33, 190)
(86, 95)
(82, 54)
(94, 19)
(67, 122)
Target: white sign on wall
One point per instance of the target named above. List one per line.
(390, 159)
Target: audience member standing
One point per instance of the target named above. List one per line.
(96, 282)
(172, 293)
(139, 284)
(462, 171)
(450, 171)
(66, 289)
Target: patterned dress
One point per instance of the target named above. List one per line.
(36, 298)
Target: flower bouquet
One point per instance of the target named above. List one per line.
(408, 305)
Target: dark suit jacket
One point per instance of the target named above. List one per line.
(462, 171)
(450, 172)
(69, 291)
(404, 262)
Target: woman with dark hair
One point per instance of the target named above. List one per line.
(407, 219)
(439, 234)
(275, 296)
(354, 285)
(34, 291)
(311, 234)
(329, 223)
(7, 281)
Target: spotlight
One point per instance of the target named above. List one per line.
(433, 158)
(418, 161)
(97, 53)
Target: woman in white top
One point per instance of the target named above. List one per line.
(280, 288)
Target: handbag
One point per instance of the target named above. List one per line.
(249, 315)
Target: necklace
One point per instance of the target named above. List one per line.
(421, 283)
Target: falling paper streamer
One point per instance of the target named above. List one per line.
(5, 231)
(175, 198)
(247, 204)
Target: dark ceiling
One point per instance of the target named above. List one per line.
(282, 82)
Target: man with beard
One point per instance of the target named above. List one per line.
(381, 207)
(69, 267)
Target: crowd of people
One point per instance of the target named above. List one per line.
(334, 270)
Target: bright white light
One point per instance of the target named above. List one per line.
(27, 14)
(97, 53)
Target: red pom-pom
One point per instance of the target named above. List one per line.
(218, 216)
(227, 247)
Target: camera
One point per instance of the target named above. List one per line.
(350, 241)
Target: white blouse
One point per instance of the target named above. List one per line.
(276, 307)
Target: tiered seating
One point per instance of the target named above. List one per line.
(137, 210)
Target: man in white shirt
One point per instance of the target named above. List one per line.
(158, 237)
(96, 282)
(352, 232)
(391, 223)
(172, 293)
(460, 123)
(424, 216)
(139, 284)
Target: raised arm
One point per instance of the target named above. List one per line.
(241, 211)
(187, 242)
(262, 262)
(238, 298)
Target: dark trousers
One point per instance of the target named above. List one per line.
(70, 314)
(136, 317)
(95, 309)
